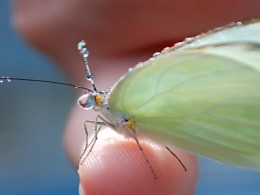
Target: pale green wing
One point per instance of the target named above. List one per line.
(234, 32)
(206, 101)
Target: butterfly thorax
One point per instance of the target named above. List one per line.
(98, 101)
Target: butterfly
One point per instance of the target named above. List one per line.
(201, 95)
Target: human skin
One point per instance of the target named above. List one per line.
(120, 34)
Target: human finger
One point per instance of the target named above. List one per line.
(117, 166)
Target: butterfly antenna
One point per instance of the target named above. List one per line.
(9, 79)
(185, 169)
(85, 53)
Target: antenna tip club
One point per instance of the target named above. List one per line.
(81, 45)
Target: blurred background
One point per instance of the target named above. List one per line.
(32, 119)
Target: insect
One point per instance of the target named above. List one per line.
(201, 95)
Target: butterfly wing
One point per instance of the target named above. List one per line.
(234, 32)
(204, 100)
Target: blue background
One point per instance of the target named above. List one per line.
(33, 116)
(32, 119)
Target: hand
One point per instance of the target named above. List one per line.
(120, 34)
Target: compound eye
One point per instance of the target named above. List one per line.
(87, 101)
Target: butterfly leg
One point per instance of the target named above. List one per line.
(133, 135)
(185, 169)
(86, 143)
(91, 144)
(99, 122)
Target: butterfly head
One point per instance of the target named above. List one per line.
(93, 100)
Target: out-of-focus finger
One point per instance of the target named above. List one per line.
(117, 166)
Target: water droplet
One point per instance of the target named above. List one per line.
(1, 81)
(90, 77)
(165, 50)
(7, 79)
(130, 69)
(156, 54)
(86, 53)
(179, 44)
(188, 39)
(139, 65)
(81, 44)
(152, 59)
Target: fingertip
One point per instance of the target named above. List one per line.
(117, 166)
